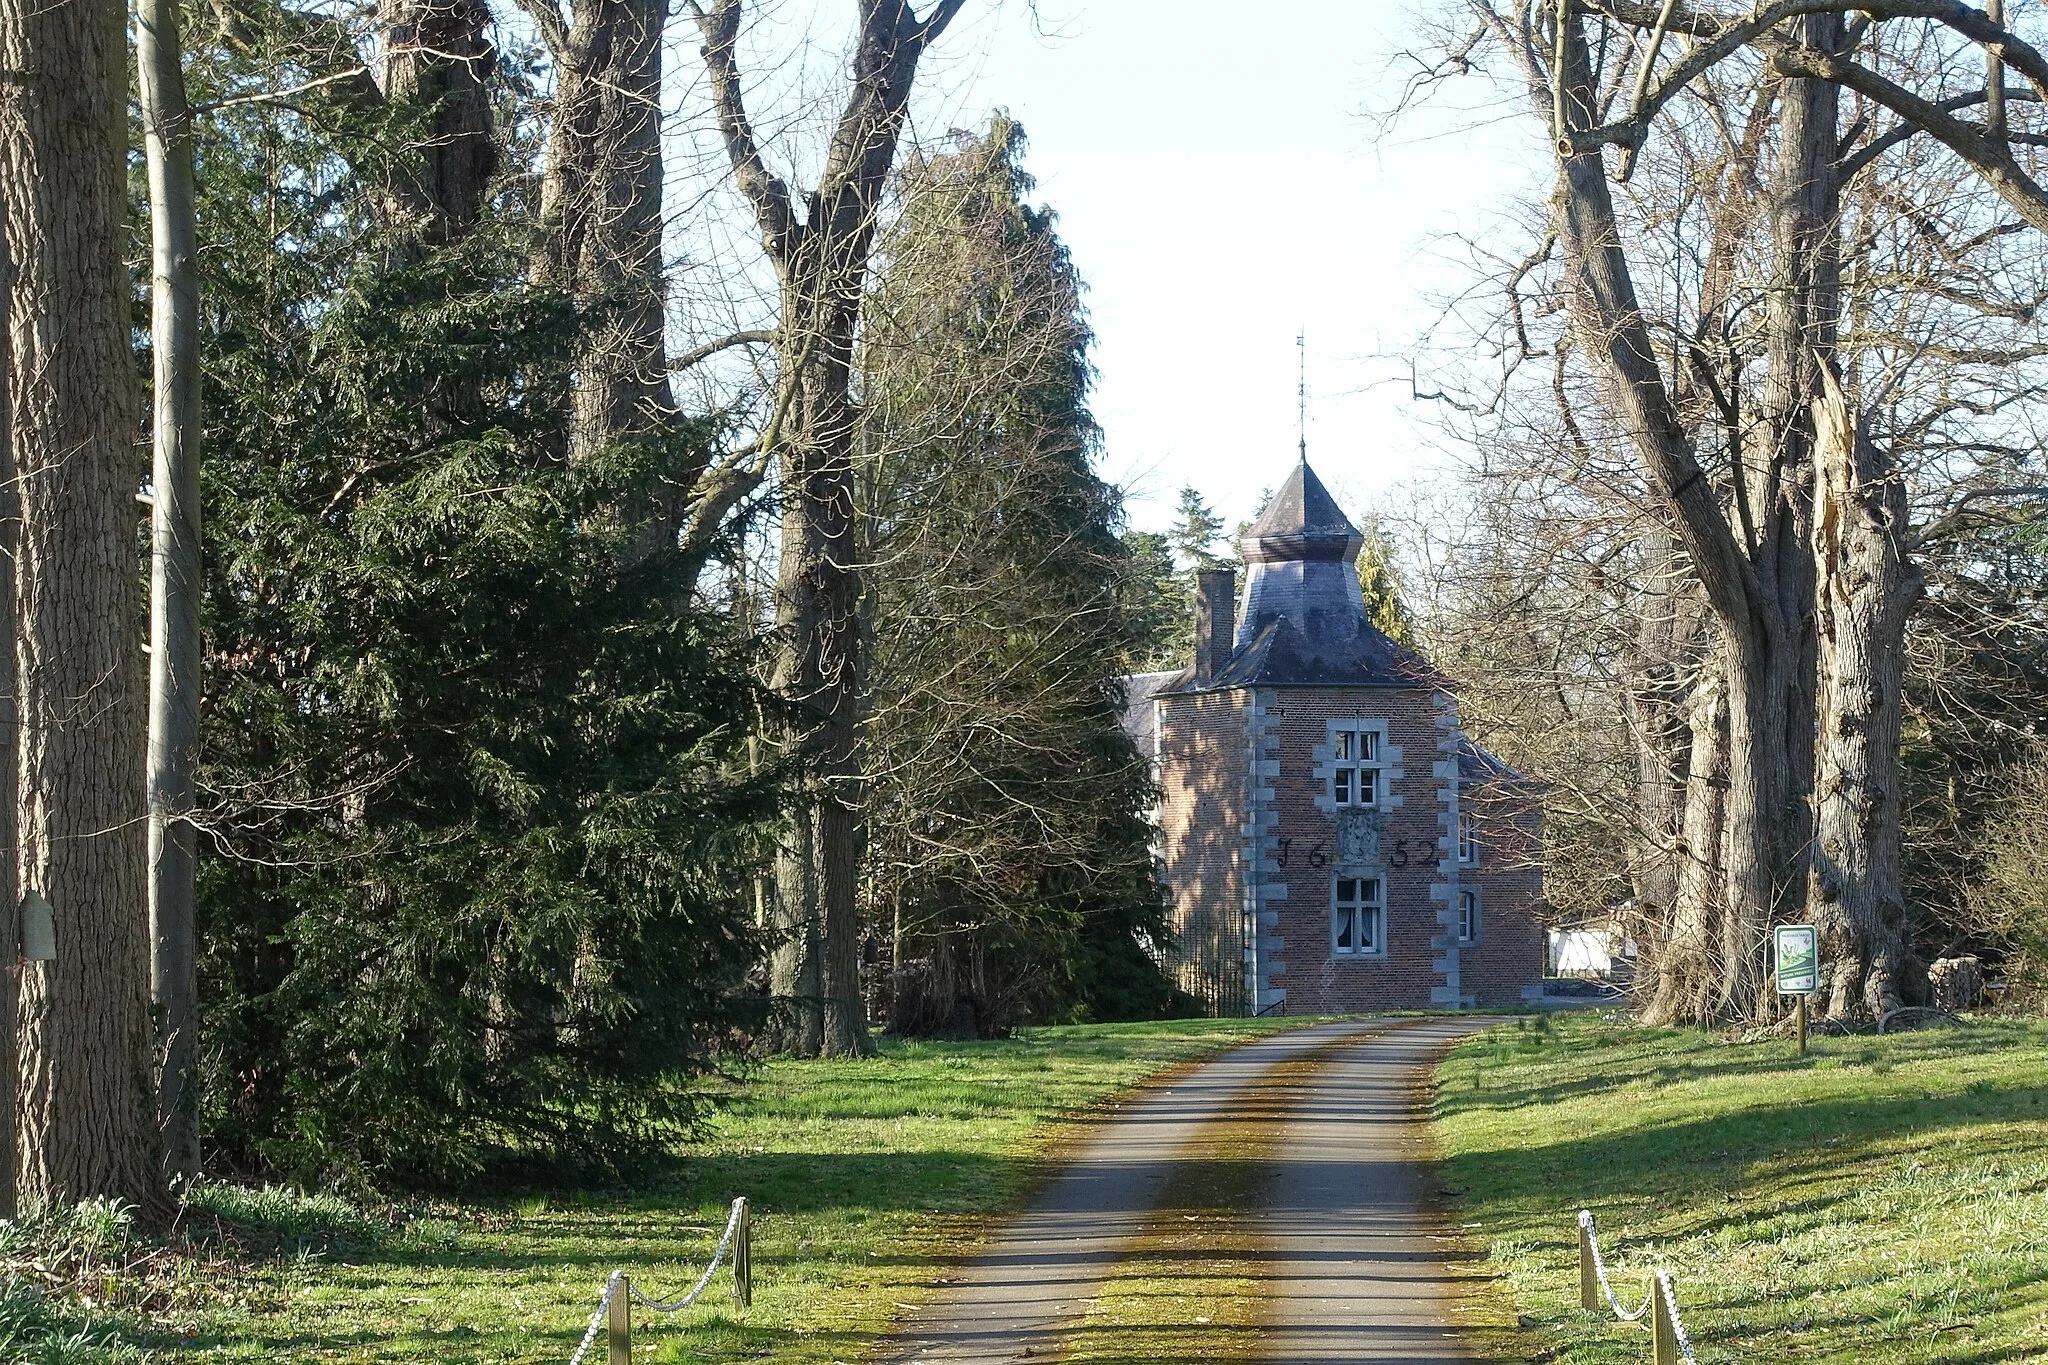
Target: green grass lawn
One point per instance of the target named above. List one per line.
(866, 1178)
(1881, 1201)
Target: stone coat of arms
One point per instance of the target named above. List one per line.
(1358, 836)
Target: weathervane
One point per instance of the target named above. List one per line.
(1301, 391)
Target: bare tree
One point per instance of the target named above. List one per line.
(1744, 204)
(175, 658)
(820, 258)
(1007, 863)
(2010, 899)
(87, 1110)
(600, 206)
(1751, 553)
(1864, 584)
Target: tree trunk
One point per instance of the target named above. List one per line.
(1802, 325)
(10, 747)
(796, 962)
(1760, 786)
(819, 669)
(175, 658)
(436, 56)
(1868, 588)
(1854, 571)
(601, 216)
(1688, 955)
(88, 1097)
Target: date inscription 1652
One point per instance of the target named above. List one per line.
(1424, 853)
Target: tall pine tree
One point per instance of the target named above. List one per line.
(1008, 863)
(1196, 532)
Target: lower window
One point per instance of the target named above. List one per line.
(1358, 917)
(1468, 916)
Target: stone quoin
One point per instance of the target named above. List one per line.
(1331, 839)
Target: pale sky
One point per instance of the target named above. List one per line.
(1221, 187)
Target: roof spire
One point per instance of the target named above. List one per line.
(1301, 391)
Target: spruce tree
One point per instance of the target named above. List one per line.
(1379, 582)
(477, 821)
(1196, 531)
(1155, 599)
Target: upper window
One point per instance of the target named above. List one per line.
(1355, 766)
(1358, 917)
(1468, 916)
(1468, 837)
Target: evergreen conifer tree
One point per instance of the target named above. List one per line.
(1155, 599)
(1009, 861)
(1380, 583)
(1196, 530)
(475, 820)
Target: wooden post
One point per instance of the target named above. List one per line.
(743, 1257)
(1664, 1324)
(1799, 1023)
(1589, 1278)
(619, 1327)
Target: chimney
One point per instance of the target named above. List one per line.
(1215, 621)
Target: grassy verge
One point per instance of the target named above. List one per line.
(1882, 1201)
(867, 1181)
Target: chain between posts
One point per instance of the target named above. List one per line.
(1671, 1344)
(614, 1307)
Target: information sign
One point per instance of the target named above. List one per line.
(1798, 959)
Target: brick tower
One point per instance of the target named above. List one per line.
(1332, 841)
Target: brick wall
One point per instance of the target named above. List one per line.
(1303, 853)
(1201, 757)
(1509, 875)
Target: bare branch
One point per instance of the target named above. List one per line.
(1965, 515)
(773, 211)
(1992, 160)
(1877, 147)
(553, 29)
(1643, 73)
(1724, 35)
(279, 96)
(929, 28)
(697, 355)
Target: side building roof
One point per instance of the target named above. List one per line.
(1139, 690)
(1480, 765)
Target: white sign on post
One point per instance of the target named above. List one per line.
(1798, 958)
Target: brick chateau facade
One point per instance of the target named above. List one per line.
(1332, 841)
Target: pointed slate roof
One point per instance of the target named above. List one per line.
(1301, 621)
(1302, 522)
